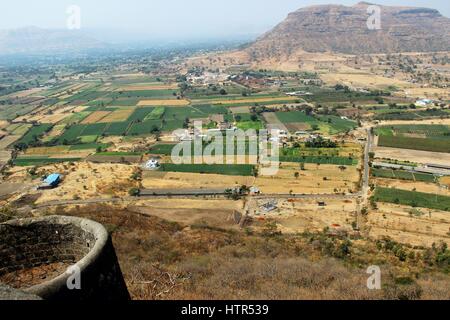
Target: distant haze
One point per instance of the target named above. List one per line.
(118, 20)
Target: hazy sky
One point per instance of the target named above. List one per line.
(172, 18)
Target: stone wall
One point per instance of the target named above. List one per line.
(30, 244)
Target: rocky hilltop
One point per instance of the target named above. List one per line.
(342, 29)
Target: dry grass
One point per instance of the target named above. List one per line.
(164, 103)
(7, 141)
(163, 260)
(310, 181)
(415, 156)
(421, 227)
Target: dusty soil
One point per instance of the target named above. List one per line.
(414, 156)
(168, 180)
(421, 227)
(189, 212)
(310, 181)
(27, 278)
(298, 215)
(82, 181)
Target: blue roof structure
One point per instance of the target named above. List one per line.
(53, 179)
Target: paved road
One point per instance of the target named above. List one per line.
(310, 196)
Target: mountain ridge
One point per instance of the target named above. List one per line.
(343, 29)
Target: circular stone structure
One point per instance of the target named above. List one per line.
(60, 258)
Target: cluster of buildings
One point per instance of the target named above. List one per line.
(208, 78)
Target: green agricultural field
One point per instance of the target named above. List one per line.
(88, 139)
(433, 145)
(232, 170)
(417, 115)
(71, 134)
(402, 175)
(210, 109)
(35, 133)
(37, 161)
(94, 129)
(425, 130)
(181, 113)
(143, 128)
(172, 125)
(18, 129)
(75, 118)
(246, 125)
(340, 161)
(117, 128)
(295, 116)
(143, 94)
(412, 198)
(12, 112)
(156, 114)
(119, 154)
(88, 146)
(163, 149)
(327, 124)
(337, 124)
(140, 113)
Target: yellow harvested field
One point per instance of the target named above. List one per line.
(150, 86)
(118, 115)
(53, 118)
(445, 180)
(310, 181)
(25, 93)
(362, 80)
(430, 93)
(415, 156)
(4, 156)
(8, 140)
(80, 109)
(95, 117)
(248, 100)
(237, 110)
(164, 103)
(179, 180)
(47, 150)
